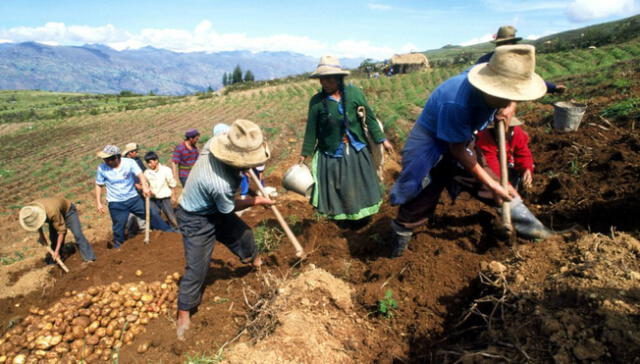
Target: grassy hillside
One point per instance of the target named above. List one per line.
(614, 32)
(58, 156)
(21, 106)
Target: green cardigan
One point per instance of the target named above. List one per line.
(328, 130)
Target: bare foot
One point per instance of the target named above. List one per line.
(257, 262)
(183, 324)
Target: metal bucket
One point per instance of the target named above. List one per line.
(567, 115)
(298, 179)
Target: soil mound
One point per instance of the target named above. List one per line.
(313, 322)
(582, 306)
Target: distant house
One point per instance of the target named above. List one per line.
(404, 63)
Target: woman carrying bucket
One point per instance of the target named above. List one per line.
(346, 185)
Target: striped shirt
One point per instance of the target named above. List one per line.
(210, 187)
(184, 158)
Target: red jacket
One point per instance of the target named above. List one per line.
(518, 153)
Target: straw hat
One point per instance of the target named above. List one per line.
(506, 33)
(510, 74)
(129, 148)
(242, 147)
(329, 66)
(108, 151)
(32, 217)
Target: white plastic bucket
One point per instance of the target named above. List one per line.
(298, 179)
(567, 115)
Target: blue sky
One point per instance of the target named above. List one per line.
(358, 28)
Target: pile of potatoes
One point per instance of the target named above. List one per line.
(91, 325)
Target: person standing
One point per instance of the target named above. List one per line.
(134, 223)
(118, 174)
(185, 156)
(438, 153)
(206, 210)
(347, 187)
(61, 214)
(162, 185)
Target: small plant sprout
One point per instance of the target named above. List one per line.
(387, 306)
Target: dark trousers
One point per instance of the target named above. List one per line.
(443, 175)
(183, 180)
(199, 234)
(73, 223)
(120, 211)
(164, 206)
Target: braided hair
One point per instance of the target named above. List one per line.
(343, 101)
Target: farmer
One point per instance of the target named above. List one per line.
(134, 223)
(507, 36)
(162, 185)
(185, 156)
(206, 210)
(519, 157)
(438, 146)
(60, 214)
(346, 185)
(117, 175)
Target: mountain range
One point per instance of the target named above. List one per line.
(98, 68)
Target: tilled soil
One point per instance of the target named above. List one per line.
(589, 178)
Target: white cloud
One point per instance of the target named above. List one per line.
(583, 10)
(511, 6)
(481, 39)
(376, 6)
(202, 38)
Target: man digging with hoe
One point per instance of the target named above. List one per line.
(206, 210)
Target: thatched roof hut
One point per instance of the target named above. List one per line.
(410, 58)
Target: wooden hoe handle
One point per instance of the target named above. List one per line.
(504, 173)
(147, 219)
(285, 226)
(57, 260)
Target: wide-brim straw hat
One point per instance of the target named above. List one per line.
(243, 146)
(329, 66)
(505, 34)
(32, 217)
(108, 151)
(510, 74)
(129, 148)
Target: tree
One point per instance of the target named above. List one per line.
(249, 77)
(209, 89)
(225, 79)
(237, 75)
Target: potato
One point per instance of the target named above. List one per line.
(92, 327)
(85, 312)
(19, 359)
(128, 337)
(138, 273)
(136, 295)
(115, 287)
(130, 303)
(92, 340)
(61, 348)
(82, 321)
(146, 298)
(117, 334)
(114, 304)
(40, 353)
(78, 332)
(144, 320)
(176, 276)
(3, 359)
(92, 291)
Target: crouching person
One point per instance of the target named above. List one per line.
(438, 153)
(61, 215)
(206, 210)
(118, 175)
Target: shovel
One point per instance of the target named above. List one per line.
(147, 219)
(283, 224)
(504, 178)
